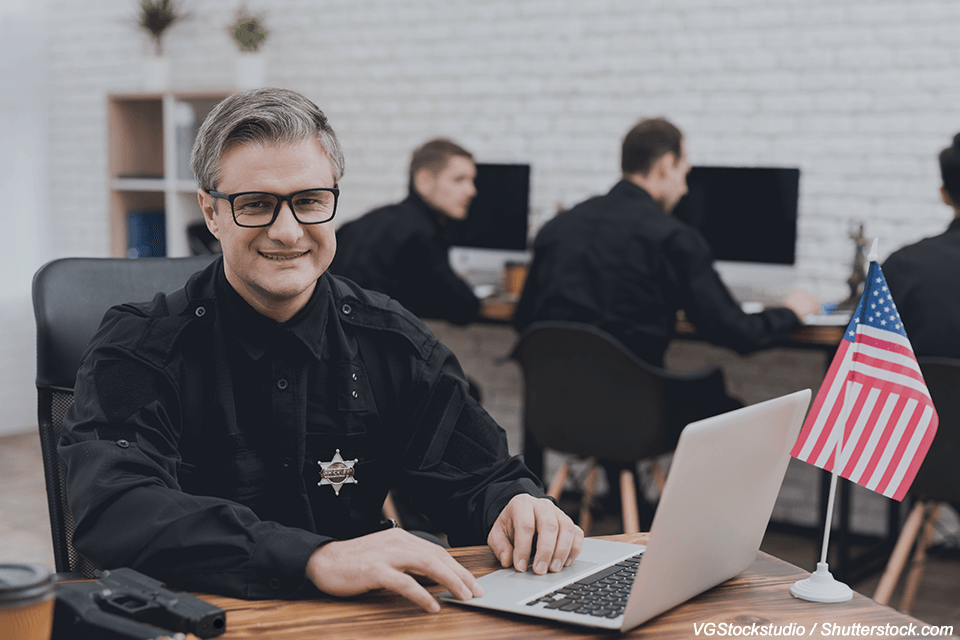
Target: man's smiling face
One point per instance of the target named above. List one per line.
(274, 268)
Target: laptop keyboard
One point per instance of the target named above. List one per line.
(602, 594)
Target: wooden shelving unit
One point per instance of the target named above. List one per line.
(150, 136)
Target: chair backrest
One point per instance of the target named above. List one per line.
(586, 393)
(939, 477)
(70, 297)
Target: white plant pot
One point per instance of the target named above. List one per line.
(155, 73)
(250, 70)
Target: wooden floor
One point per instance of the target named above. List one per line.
(25, 535)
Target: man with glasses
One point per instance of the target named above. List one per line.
(402, 249)
(239, 436)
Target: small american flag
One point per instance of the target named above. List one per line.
(872, 420)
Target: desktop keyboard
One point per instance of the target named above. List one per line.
(602, 594)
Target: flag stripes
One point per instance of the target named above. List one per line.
(872, 421)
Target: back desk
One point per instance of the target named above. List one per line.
(760, 595)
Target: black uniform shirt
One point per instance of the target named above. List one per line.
(924, 280)
(620, 263)
(195, 437)
(402, 250)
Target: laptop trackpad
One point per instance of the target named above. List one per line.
(578, 566)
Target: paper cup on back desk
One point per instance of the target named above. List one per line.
(27, 596)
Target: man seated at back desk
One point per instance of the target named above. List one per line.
(239, 436)
(622, 263)
(402, 249)
(923, 276)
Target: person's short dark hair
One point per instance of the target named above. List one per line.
(950, 170)
(434, 155)
(647, 142)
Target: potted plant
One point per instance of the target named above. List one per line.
(249, 33)
(155, 17)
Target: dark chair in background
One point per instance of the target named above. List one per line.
(586, 394)
(70, 296)
(937, 481)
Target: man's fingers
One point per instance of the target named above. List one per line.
(499, 543)
(525, 519)
(548, 530)
(524, 528)
(410, 589)
(385, 560)
(446, 571)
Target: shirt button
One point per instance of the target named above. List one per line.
(347, 309)
(282, 384)
(123, 444)
(200, 312)
(354, 376)
(287, 462)
(354, 394)
(274, 583)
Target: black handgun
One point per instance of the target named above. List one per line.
(126, 605)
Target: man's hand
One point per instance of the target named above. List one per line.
(387, 560)
(802, 303)
(559, 540)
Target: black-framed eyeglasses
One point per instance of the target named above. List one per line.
(260, 208)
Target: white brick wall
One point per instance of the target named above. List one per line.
(860, 95)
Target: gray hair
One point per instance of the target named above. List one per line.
(259, 116)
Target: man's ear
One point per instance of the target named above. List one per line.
(665, 164)
(209, 212)
(945, 196)
(423, 181)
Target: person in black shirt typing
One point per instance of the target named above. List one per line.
(239, 436)
(402, 249)
(620, 262)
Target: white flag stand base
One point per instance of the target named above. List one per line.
(821, 587)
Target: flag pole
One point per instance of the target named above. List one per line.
(821, 586)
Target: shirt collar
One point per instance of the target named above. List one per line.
(417, 203)
(634, 191)
(257, 334)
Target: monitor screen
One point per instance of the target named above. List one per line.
(746, 214)
(498, 214)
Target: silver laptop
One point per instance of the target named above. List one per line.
(720, 491)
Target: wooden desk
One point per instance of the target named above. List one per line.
(759, 595)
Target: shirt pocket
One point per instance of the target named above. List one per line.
(353, 388)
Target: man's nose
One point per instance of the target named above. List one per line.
(286, 228)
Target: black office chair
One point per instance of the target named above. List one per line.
(70, 296)
(937, 482)
(586, 394)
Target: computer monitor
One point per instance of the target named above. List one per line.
(498, 214)
(746, 214)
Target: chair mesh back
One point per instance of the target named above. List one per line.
(53, 404)
(70, 296)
